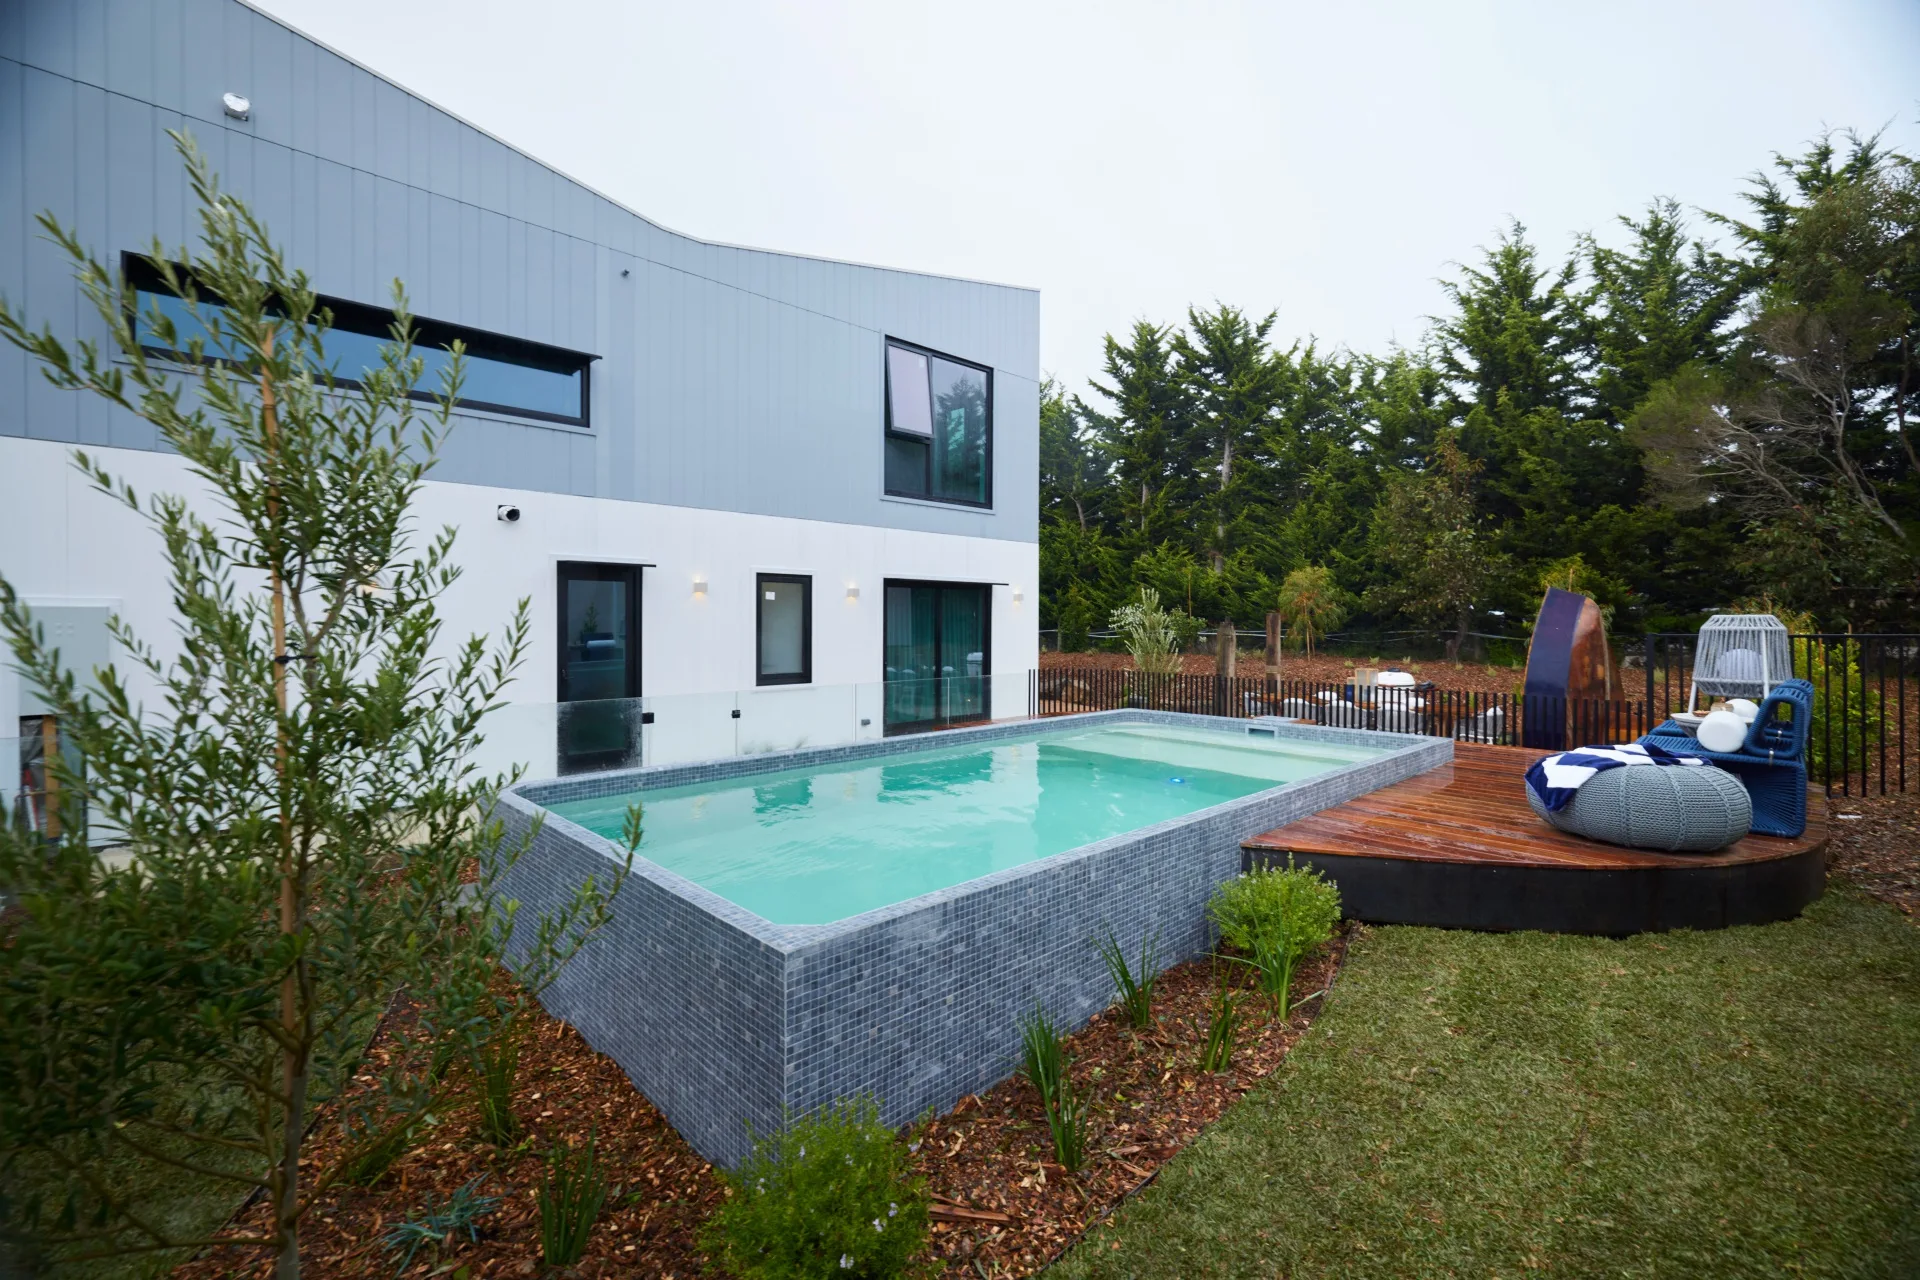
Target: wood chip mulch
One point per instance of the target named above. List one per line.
(663, 1189)
(1876, 844)
(1002, 1208)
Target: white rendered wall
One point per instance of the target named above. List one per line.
(62, 542)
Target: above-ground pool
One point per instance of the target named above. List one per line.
(818, 844)
(876, 918)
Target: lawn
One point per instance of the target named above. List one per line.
(1689, 1105)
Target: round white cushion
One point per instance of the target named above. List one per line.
(1722, 731)
(1675, 808)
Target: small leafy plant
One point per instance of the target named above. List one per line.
(832, 1195)
(1044, 1063)
(1276, 916)
(572, 1193)
(1135, 990)
(436, 1224)
(1223, 1029)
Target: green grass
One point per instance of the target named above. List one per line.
(1688, 1105)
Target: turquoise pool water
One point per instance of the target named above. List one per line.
(817, 845)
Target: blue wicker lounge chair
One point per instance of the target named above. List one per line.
(1771, 762)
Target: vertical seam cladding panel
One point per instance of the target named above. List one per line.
(314, 103)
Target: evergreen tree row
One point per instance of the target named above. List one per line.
(1665, 426)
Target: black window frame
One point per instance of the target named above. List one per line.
(886, 414)
(377, 322)
(941, 718)
(805, 582)
(634, 576)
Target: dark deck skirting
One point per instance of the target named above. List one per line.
(1457, 847)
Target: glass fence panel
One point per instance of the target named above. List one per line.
(685, 727)
(788, 717)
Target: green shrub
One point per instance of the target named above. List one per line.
(1134, 990)
(1847, 717)
(1077, 616)
(572, 1193)
(831, 1196)
(1276, 917)
(1297, 904)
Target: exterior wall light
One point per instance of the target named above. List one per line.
(236, 105)
(853, 593)
(1018, 595)
(700, 584)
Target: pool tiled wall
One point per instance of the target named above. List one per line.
(723, 1019)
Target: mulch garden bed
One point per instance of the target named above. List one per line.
(1876, 845)
(1002, 1206)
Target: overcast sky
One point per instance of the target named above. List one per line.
(1326, 160)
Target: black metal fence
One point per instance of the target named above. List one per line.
(1866, 701)
(1499, 719)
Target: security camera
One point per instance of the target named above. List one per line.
(507, 511)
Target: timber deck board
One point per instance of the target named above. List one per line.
(1475, 811)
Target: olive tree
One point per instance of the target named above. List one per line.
(301, 829)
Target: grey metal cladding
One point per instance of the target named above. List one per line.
(728, 378)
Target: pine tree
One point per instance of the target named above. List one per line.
(1141, 435)
(1233, 383)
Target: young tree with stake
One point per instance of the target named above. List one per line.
(301, 813)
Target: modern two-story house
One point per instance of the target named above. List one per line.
(756, 499)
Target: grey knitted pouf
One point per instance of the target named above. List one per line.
(1671, 807)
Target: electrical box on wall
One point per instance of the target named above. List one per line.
(79, 632)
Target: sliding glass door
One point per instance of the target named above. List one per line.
(938, 638)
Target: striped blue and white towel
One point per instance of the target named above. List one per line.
(1555, 778)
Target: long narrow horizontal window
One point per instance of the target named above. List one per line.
(939, 426)
(503, 375)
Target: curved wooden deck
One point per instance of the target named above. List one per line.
(1458, 847)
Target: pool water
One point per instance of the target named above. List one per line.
(815, 845)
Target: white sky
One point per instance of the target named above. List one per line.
(1128, 158)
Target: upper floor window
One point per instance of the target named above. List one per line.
(939, 426)
(503, 375)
